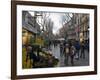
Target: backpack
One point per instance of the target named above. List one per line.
(72, 50)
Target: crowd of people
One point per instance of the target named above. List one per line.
(74, 50)
(71, 50)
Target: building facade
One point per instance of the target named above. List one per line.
(78, 27)
(82, 27)
(30, 28)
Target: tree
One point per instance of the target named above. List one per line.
(43, 19)
(66, 17)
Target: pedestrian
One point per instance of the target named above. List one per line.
(61, 49)
(72, 54)
(77, 46)
(66, 54)
(69, 53)
(82, 50)
(87, 46)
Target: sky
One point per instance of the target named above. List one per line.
(57, 20)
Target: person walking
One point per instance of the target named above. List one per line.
(66, 54)
(87, 46)
(72, 54)
(77, 46)
(61, 49)
(69, 53)
(82, 50)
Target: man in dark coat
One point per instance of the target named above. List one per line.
(77, 46)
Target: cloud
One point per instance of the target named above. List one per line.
(56, 18)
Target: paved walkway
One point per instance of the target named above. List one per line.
(80, 62)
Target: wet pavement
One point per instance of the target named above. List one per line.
(80, 62)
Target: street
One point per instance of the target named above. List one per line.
(51, 39)
(80, 62)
